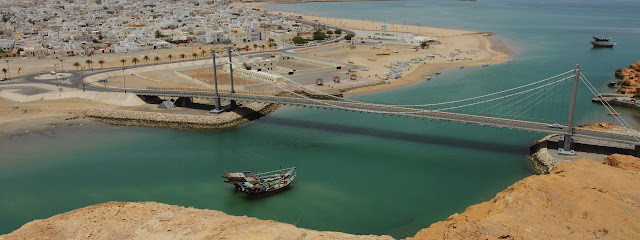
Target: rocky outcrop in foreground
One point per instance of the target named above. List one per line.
(580, 200)
(630, 79)
(149, 220)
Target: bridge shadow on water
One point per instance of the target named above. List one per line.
(402, 136)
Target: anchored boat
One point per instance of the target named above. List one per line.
(259, 184)
(601, 42)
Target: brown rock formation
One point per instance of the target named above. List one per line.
(623, 161)
(149, 220)
(630, 79)
(580, 200)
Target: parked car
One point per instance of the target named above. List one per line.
(4, 79)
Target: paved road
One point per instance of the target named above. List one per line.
(400, 111)
(75, 80)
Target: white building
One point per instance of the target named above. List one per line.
(6, 45)
(125, 47)
(214, 36)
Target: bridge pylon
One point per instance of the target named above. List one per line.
(567, 146)
(232, 102)
(216, 96)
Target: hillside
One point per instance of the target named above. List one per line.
(580, 200)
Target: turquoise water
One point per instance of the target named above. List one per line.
(358, 173)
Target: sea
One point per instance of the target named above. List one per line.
(358, 173)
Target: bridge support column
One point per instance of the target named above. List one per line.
(567, 148)
(216, 96)
(636, 151)
(565, 145)
(184, 101)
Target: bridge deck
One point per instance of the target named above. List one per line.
(399, 111)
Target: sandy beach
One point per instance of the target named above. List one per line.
(486, 49)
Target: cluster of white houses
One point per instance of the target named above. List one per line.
(41, 28)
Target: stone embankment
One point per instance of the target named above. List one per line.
(181, 121)
(540, 161)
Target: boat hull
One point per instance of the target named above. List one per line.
(602, 44)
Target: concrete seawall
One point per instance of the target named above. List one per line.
(181, 121)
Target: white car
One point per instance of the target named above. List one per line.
(556, 125)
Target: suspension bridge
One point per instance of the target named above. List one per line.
(520, 108)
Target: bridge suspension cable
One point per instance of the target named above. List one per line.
(501, 97)
(517, 107)
(204, 65)
(418, 105)
(609, 108)
(440, 109)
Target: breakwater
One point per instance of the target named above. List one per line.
(540, 161)
(181, 121)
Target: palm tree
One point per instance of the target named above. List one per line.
(77, 65)
(123, 61)
(4, 70)
(146, 58)
(101, 62)
(270, 45)
(255, 47)
(194, 55)
(182, 56)
(134, 61)
(89, 62)
(170, 57)
(246, 48)
(203, 52)
(275, 45)
(157, 59)
(262, 46)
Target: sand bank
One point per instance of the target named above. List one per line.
(481, 47)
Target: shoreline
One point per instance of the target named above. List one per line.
(498, 52)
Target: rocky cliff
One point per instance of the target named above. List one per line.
(630, 79)
(580, 200)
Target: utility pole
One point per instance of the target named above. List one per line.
(56, 73)
(8, 70)
(566, 148)
(124, 79)
(82, 78)
(233, 102)
(62, 66)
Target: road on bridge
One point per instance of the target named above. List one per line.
(401, 111)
